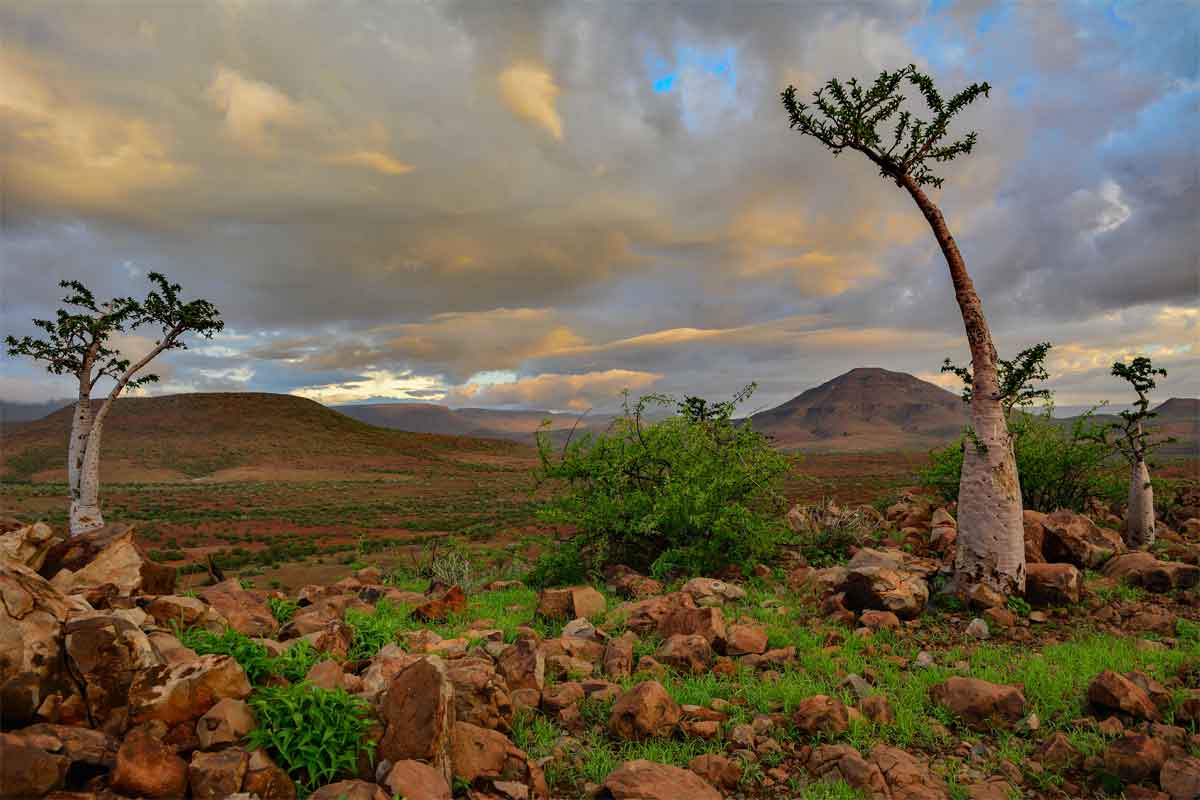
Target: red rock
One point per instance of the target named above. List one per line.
(484, 758)
(646, 711)
(437, 609)
(821, 715)
(27, 770)
(148, 768)
(413, 780)
(1134, 758)
(266, 779)
(246, 611)
(107, 653)
(1114, 692)
(685, 652)
(979, 703)
(646, 780)
(418, 711)
(1052, 584)
(215, 776)
(708, 622)
(350, 790)
(742, 640)
(574, 602)
(32, 615)
(186, 692)
(225, 723)
(1180, 777)
(1144, 570)
(1074, 539)
(879, 620)
(480, 694)
(618, 656)
(906, 777)
(109, 555)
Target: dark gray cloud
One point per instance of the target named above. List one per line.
(420, 199)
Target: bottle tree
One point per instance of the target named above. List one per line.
(990, 559)
(1135, 443)
(77, 342)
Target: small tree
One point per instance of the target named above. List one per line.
(850, 116)
(1018, 379)
(1134, 442)
(77, 343)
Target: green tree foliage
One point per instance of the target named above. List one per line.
(1018, 378)
(1130, 438)
(694, 492)
(1061, 464)
(315, 734)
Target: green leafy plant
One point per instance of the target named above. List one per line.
(315, 734)
(560, 565)
(826, 532)
(258, 663)
(282, 609)
(375, 629)
(694, 492)
(1018, 605)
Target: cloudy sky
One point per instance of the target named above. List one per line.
(539, 204)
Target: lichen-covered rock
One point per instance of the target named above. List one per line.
(885, 589)
(29, 544)
(186, 692)
(646, 711)
(106, 653)
(32, 613)
(246, 611)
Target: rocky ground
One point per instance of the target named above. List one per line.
(860, 679)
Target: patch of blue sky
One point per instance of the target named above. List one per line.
(719, 63)
(493, 376)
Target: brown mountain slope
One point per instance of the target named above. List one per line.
(867, 408)
(232, 435)
(493, 423)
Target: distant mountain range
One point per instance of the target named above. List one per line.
(27, 412)
(518, 426)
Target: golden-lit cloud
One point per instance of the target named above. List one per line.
(373, 159)
(530, 92)
(556, 391)
(255, 111)
(403, 385)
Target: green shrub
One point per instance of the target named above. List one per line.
(314, 734)
(258, 663)
(1060, 463)
(561, 565)
(690, 493)
(373, 630)
(281, 608)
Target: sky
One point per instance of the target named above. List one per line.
(541, 204)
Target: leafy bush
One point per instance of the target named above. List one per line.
(1060, 464)
(375, 629)
(689, 493)
(826, 532)
(258, 663)
(315, 734)
(561, 565)
(282, 609)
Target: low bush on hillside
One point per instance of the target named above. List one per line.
(692, 493)
(293, 664)
(314, 734)
(826, 533)
(1060, 465)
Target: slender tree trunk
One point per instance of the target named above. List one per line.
(85, 496)
(991, 536)
(1139, 516)
(85, 511)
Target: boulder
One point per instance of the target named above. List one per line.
(841, 762)
(29, 544)
(574, 602)
(146, 767)
(413, 780)
(246, 611)
(884, 589)
(107, 556)
(418, 712)
(892, 558)
(215, 776)
(723, 773)
(350, 790)
(266, 779)
(1035, 536)
(744, 640)
(626, 582)
(643, 616)
(618, 656)
(821, 715)
(1058, 753)
(1180, 777)
(1116, 693)
(439, 607)
(480, 694)
(1052, 584)
(172, 611)
(226, 723)
(106, 653)
(27, 770)
(647, 780)
(706, 621)
(186, 692)
(980, 704)
(86, 750)
(170, 648)
(712, 592)
(906, 777)
(523, 666)
(1074, 539)
(685, 652)
(1144, 570)
(32, 614)
(1135, 758)
(486, 759)
(646, 711)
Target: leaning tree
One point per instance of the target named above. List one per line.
(990, 557)
(78, 342)
(1135, 443)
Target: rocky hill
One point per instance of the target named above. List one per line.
(866, 409)
(178, 437)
